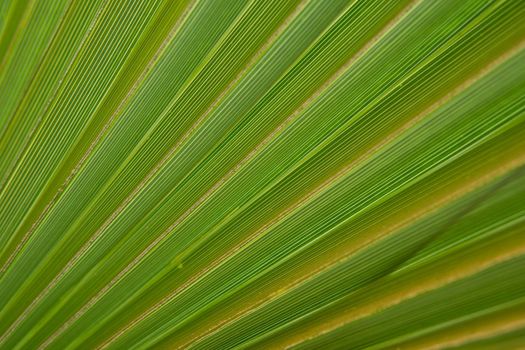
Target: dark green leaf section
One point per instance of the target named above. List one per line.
(484, 290)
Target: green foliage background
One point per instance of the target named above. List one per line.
(218, 174)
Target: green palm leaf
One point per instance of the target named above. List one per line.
(262, 174)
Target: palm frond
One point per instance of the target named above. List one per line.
(303, 174)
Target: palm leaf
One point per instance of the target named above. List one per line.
(262, 174)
